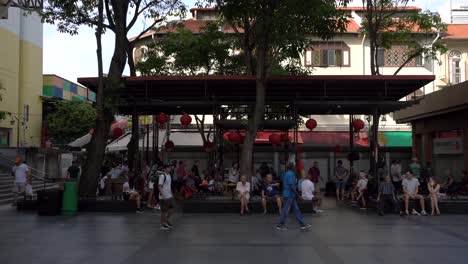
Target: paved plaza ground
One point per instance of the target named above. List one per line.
(340, 235)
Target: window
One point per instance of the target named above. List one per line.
(397, 56)
(455, 67)
(334, 54)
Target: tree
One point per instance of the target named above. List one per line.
(105, 15)
(389, 22)
(70, 120)
(385, 27)
(272, 30)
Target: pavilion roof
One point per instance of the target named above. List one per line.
(316, 94)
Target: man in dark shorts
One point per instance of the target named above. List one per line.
(166, 198)
(270, 193)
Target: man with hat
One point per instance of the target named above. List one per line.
(166, 198)
(20, 171)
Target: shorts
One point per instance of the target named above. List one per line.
(340, 185)
(19, 187)
(247, 196)
(272, 198)
(167, 204)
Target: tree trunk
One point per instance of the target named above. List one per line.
(406, 62)
(133, 144)
(106, 99)
(131, 62)
(89, 171)
(255, 118)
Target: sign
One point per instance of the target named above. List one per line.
(448, 145)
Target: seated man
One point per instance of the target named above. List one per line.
(270, 193)
(243, 190)
(386, 194)
(309, 193)
(132, 195)
(410, 190)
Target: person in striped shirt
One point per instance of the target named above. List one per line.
(386, 195)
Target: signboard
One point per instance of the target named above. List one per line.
(448, 145)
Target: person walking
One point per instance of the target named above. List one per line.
(434, 189)
(290, 194)
(166, 198)
(20, 171)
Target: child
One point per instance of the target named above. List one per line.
(386, 194)
(28, 189)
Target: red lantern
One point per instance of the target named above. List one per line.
(209, 146)
(117, 132)
(162, 118)
(338, 149)
(275, 139)
(169, 145)
(185, 120)
(311, 124)
(284, 137)
(234, 137)
(358, 124)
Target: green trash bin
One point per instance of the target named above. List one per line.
(70, 198)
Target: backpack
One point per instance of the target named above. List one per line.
(154, 177)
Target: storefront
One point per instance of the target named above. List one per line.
(440, 129)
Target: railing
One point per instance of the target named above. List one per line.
(8, 163)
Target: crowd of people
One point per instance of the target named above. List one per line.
(396, 188)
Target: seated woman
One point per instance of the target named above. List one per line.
(132, 195)
(243, 190)
(234, 173)
(434, 188)
(445, 188)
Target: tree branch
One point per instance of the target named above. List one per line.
(109, 14)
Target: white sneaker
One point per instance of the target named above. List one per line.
(414, 212)
(319, 211)
(423, 212)
(157, 207)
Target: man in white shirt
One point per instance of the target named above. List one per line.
(410, 190)
(309, 194)
(166, 198)
(20, 171)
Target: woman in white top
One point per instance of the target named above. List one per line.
(234, 173)
(434, 189)
(243, 189)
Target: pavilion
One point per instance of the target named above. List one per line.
(300, 95)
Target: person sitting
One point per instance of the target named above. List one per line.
(243, 190)
(361, 188)
(434, 188)
(132, 195)
(234, 173)
(464, 183)
(309, 193)
(256, 184)
(386, 194)
(270, 193)
(410, 190)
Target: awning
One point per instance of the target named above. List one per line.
(81, 142)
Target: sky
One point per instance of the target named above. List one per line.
(75, 56)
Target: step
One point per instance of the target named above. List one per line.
(6, 199)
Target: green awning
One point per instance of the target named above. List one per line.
(396, 139)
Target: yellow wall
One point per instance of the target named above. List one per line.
(21, 75)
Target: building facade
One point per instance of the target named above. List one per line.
(21, 77)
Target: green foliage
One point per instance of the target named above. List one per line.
(385, 27)
(70, 120)
(186, 53)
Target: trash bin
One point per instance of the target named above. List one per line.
(70, 198)
(49, 202)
